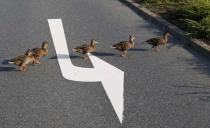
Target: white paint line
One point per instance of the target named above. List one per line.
(111, 77)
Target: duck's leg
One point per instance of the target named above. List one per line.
(85, 57)
(124, 54)
(37, 61)
(33, 60)
(23, 67)
(155, 48)
(82, 56)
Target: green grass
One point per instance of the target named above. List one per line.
(193, 16)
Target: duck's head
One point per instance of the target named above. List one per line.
(28, 53)
(132, 37)
(94, 42)
(44, 45)
(167, 34)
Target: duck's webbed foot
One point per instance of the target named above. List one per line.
(124, 54)
(85, 57)
(23, 68)
(37, 61)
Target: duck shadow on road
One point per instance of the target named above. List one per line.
(138, 49)
(64, 56)
(7, 69)
(5, 62)
(203, 96)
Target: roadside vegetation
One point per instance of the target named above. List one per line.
(193, 16)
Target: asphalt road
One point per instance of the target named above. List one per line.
(170, 89)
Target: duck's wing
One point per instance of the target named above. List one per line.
(81, 48)
(84, 46)
(18, 58)
(153, 41)
(36, 50)
(121, 45)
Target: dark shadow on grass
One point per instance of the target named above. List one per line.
(7, 69)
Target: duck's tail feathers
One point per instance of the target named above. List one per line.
(11, 62)
(113, 47)
(74, 49)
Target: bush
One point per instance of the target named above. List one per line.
(193, 16)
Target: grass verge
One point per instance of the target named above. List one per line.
(192, 16)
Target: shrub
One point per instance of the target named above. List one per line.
(193, 16)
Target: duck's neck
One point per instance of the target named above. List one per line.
(165, 38)
(44, 49)
(93, 45)
(132, 42)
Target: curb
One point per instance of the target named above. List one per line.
(166, 26)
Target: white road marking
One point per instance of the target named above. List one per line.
(111, 77)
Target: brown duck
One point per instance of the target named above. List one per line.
(158, 41)
(86, 48)
(123, 46)
(40, 52)
(23, 60)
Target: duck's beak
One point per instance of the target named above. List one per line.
(97, 42)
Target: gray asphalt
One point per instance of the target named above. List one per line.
(170, 89)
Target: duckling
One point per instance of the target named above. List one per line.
(28, 59)
(86, 48)
(123, 46)
(40, 52)
(23, 60)
(158, 41)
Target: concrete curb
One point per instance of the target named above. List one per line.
(166, 26)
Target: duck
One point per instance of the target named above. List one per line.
(86, 48)
(124, 46)
(40, 52)
(155, 42)
(23, 60)
(28, 59)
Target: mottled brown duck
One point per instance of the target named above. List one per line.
(86, 48)
(123, 46)
(40, 52)
(155, 42)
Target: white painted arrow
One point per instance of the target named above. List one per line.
(111, 77)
